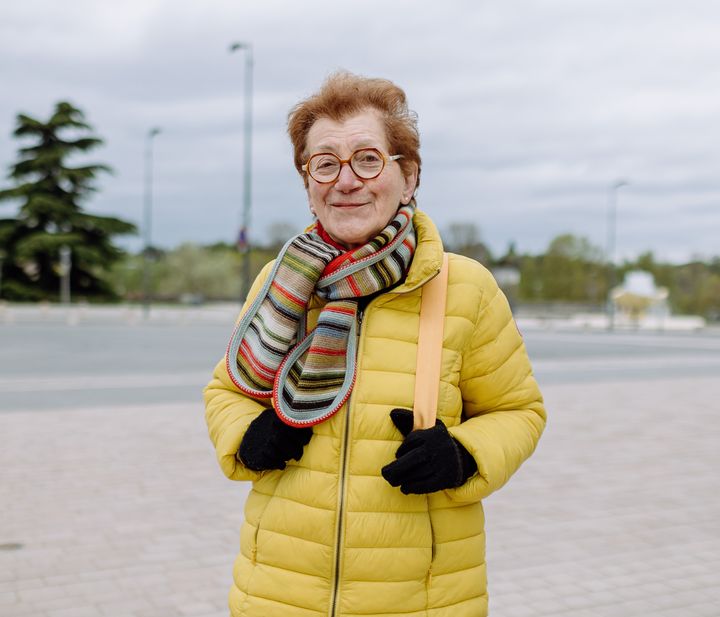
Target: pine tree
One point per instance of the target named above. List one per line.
(50, 216)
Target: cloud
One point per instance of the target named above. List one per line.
(528, 110)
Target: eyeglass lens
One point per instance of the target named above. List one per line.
(366, 163)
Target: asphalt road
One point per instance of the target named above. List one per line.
(55, 365)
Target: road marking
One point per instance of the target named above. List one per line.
(625, 362)
(660, 341)
(104, 382)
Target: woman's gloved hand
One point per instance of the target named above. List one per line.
(428, 460)
(269, 443)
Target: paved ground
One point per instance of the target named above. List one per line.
(617, 513)
(111, 502)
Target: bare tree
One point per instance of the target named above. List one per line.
(464, 237)
(279, 233)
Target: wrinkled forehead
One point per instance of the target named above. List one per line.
(365, 129)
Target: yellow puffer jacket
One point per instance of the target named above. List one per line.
(328, 536)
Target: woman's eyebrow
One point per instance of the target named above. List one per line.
(325, 148)
(359, 145)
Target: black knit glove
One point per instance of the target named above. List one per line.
(269, 443)
(428, 460)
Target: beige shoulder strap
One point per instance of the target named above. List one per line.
(429, 352)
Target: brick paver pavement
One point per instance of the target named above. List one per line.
(616, 514)
(122, 511)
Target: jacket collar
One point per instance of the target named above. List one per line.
(428, 257)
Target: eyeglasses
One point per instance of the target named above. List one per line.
(366, 163)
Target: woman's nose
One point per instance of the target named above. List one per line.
(347, 180)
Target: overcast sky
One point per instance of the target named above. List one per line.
(528, 110)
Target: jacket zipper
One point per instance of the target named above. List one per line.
(343, 477)
(344, 462)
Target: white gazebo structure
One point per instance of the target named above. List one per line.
(638, 297)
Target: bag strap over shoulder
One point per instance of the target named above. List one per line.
(429, 351)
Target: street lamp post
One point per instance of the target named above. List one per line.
(611, 234)
(244, 236)
(65, 270)
(147, 219)
(2, 265)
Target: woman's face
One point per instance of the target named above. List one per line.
(353, 210)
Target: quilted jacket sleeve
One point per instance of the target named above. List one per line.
(503, 411)
(228, 412)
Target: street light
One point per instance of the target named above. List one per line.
(611, 233)
(65, 270)
(3, 254)
(244, 235)
(147, 218)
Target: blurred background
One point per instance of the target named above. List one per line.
(557, 137)
(571, 147)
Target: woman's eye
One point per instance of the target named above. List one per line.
(325, 163)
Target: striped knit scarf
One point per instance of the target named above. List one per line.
(310, 380)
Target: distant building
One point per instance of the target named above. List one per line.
(638, 297)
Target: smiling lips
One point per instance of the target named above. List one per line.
(353, 205)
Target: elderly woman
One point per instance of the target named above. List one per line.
(351, 511)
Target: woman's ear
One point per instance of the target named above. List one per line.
(410, 185)
(309, 201)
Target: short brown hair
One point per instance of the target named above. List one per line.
(344, 94)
